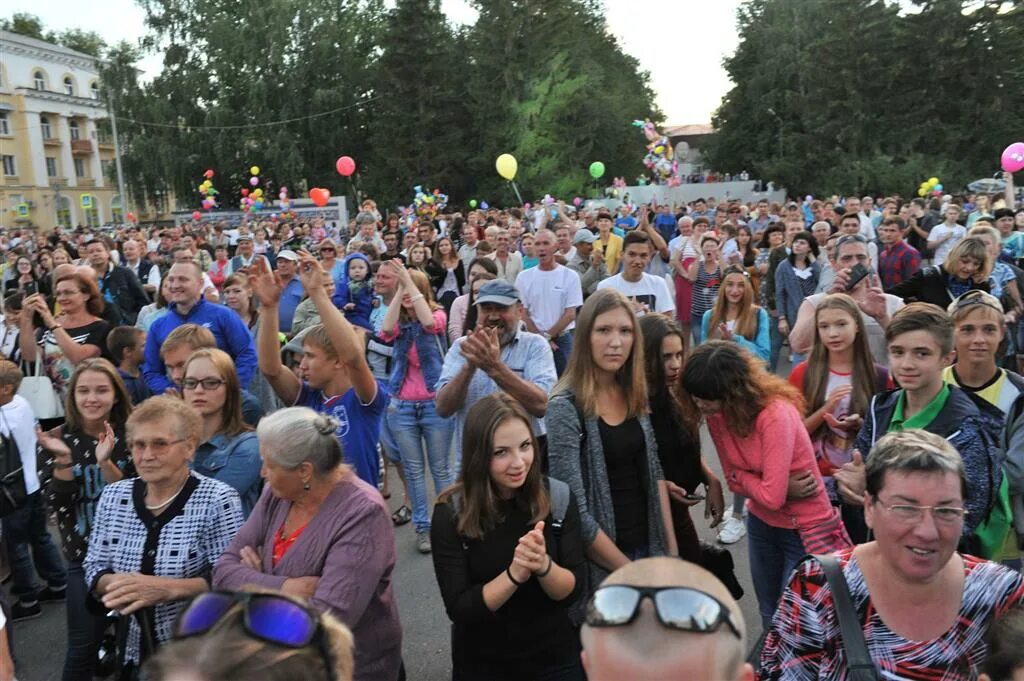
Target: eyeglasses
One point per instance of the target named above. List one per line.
(682, 608)
(155, 446)
(975, 297)
(267, 617)
(910, 514)
(207, 383)
(328, 250)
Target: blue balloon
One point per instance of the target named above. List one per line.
(483, 204)
(938, 187)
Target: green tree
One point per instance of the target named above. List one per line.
(25, 24)
(88, 42)
(420, 123)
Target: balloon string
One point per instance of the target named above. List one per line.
(516, 190)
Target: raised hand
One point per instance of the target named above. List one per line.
(53, 444)
(311, 272)
(266, 284)
(105, 444)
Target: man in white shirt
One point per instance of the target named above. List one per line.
(944, 236)
(867, 230)
(648, 293)
(550, 294)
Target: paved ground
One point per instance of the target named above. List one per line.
(40, 643)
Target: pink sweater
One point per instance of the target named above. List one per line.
(758, 466)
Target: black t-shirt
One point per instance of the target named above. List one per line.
(678, 452)
(75, 500)
(625, 456)
(530, 633)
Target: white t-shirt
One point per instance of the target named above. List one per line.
(547, 294)
(938, 232)
(651, 291)
(19, 423)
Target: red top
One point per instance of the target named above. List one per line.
(283, 543)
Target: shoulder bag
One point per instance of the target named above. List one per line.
(39, 392)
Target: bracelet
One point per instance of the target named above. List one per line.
(508, 573)
(63, 466)
(55, 327)
(418, 296)
(547, 569)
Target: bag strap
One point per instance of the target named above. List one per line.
(582, 421)
(858, 660)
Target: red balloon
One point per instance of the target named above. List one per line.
(245, 192)
(319, 196)
(196, 215)
(345, 166)
(208, 174)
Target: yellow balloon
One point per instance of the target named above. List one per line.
(255, 170)
(507, 166)
(922, 192)
(933, 181)
(257, 192)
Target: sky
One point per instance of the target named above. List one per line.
(680, 42)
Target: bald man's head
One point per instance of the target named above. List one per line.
(646, 650)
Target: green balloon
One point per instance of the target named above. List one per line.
(596, 170)
(472, 203)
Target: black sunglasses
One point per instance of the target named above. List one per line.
(267, 617)
(682, 608)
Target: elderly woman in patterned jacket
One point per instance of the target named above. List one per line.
(156, 537)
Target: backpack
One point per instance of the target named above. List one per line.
(379, 355)
(13, 492)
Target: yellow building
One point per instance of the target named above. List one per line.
(56, 150)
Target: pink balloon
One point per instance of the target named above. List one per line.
(254, 181)
(196, 215)
(1013, 157)
(345, 166)
(577, 201)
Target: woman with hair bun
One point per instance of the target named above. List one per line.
(320, 533)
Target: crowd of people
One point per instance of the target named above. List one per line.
(215, 418)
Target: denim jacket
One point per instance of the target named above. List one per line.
(429, 346)
(234, 461)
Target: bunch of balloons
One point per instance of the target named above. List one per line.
(1013, 157)
(659, 159)
(930, 186)
(428, 205)
(208, 192)
(252, 200)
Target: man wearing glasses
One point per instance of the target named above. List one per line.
(664, 618)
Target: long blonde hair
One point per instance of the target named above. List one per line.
(423, 286)
(746, 321)
(580, 377)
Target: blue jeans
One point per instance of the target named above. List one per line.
(31, 550)
(562, 351)
(774, 553)
(85, 630)
(413, 425)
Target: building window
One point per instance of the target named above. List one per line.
(69, 86)
(79, 167)
(63, 211)
(44, 122)
(40, 80)
(105, 168)
(51, 166)
(5, 123)
(94, 90)
(9, 168)
(76, 133)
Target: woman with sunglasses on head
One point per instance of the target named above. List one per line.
(446, 273)
(156, 537)
(705, 273)
(735, 317)
(601, 442)
(508, 554)
(238, 636)
(796, 277)
(462, 306)
(755, 421)
(966, 268)
(320, 533)
(229, 451)
(88, 454)
(923, 607)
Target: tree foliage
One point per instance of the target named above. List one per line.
(836, 96)
(30, 25)
(415, 100)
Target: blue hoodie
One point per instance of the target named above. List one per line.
(360, 293)
(228, 328)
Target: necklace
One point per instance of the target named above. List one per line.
(171, 498)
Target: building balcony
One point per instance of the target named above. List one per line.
(58, 181)
(51, 141)
(86, 182)
(106, 143)
(81, 147)
(12, 180)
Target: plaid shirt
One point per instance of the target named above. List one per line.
(898, 263)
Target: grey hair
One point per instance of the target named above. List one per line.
(912, 451)
(364, 217)
(295, 435)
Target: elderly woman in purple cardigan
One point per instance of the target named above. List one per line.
(320, 533)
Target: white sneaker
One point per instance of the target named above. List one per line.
(733, 529)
